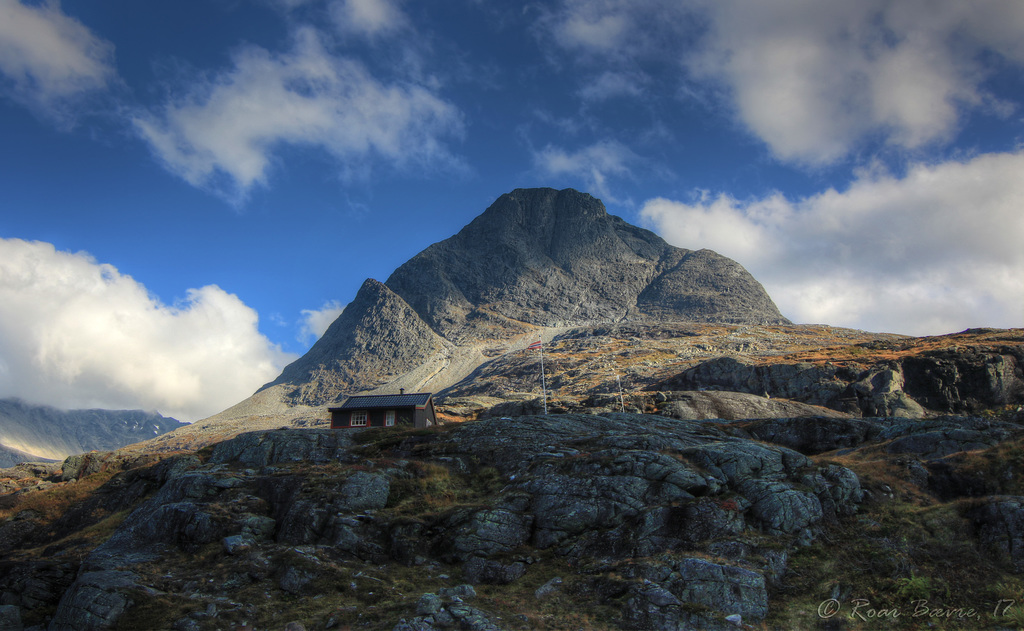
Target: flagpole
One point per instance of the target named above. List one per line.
(543, 384)
(539, 345)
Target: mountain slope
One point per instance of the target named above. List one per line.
(45, 433)
(536, 262)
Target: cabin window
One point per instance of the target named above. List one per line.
(358, 419)
(389, 418)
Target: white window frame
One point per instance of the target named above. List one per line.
(358, 418)
(389, 418)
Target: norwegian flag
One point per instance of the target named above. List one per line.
(534, 346)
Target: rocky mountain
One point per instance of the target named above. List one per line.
(35, 432)
(536, 262)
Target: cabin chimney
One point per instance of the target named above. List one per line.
(401, 391)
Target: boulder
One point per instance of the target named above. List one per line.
(999, 526)
(364, 491)
(478, 570)
(489, 532)
(693, 593)
(95, 601)
(10, 618)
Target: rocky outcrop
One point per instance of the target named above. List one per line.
(535, 258)
(687, 593)
(942, 381)
(95, 601)
(999, 523)
(446, 610)
(928, 439)
(616, 487)
(659, 523)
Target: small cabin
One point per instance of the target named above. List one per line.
(385, 410)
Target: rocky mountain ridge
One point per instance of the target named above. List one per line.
(38, 432)
(535, 263)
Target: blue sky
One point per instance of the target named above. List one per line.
(190, 191)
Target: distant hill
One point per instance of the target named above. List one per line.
(536, 262)
(38, 432)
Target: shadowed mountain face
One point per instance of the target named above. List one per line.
(38, 432)
(537, 259)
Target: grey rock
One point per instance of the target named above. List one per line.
(237, 544)
(186, 624)
(999, 525)
(780, 508)
(662, 604)
(94, 601)
(417, 624)
(464, 592)
(816, 434)
(455, 615)
(266, 448)
(946, 381)
(429, 604)
(10, 618)
(487, 571)
(184, 523)
(939, 444)
(294, 580)
(489, 532)
(548, 588)
(34, 584)
(647, 483)
(737, 405)
(79, 466)
(365, 491)
(258, 527)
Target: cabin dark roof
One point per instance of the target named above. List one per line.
(376, 401)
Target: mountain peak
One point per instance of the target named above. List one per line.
(536, 258)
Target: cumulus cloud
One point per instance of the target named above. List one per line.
(367, 17)
(813, 80)
(316, 321)
(48, 60)
(77, 333)
(223, 133)
(935, 251)
(593, 164)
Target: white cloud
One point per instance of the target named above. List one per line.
(228, 127)
(77, 333)
(316, 321)
(48, 59)
(935, 251)
(814, 79)
(614, 84)
(592, 164)
(367, 17)
(616, 29)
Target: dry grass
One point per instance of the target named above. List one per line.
(50, 503)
